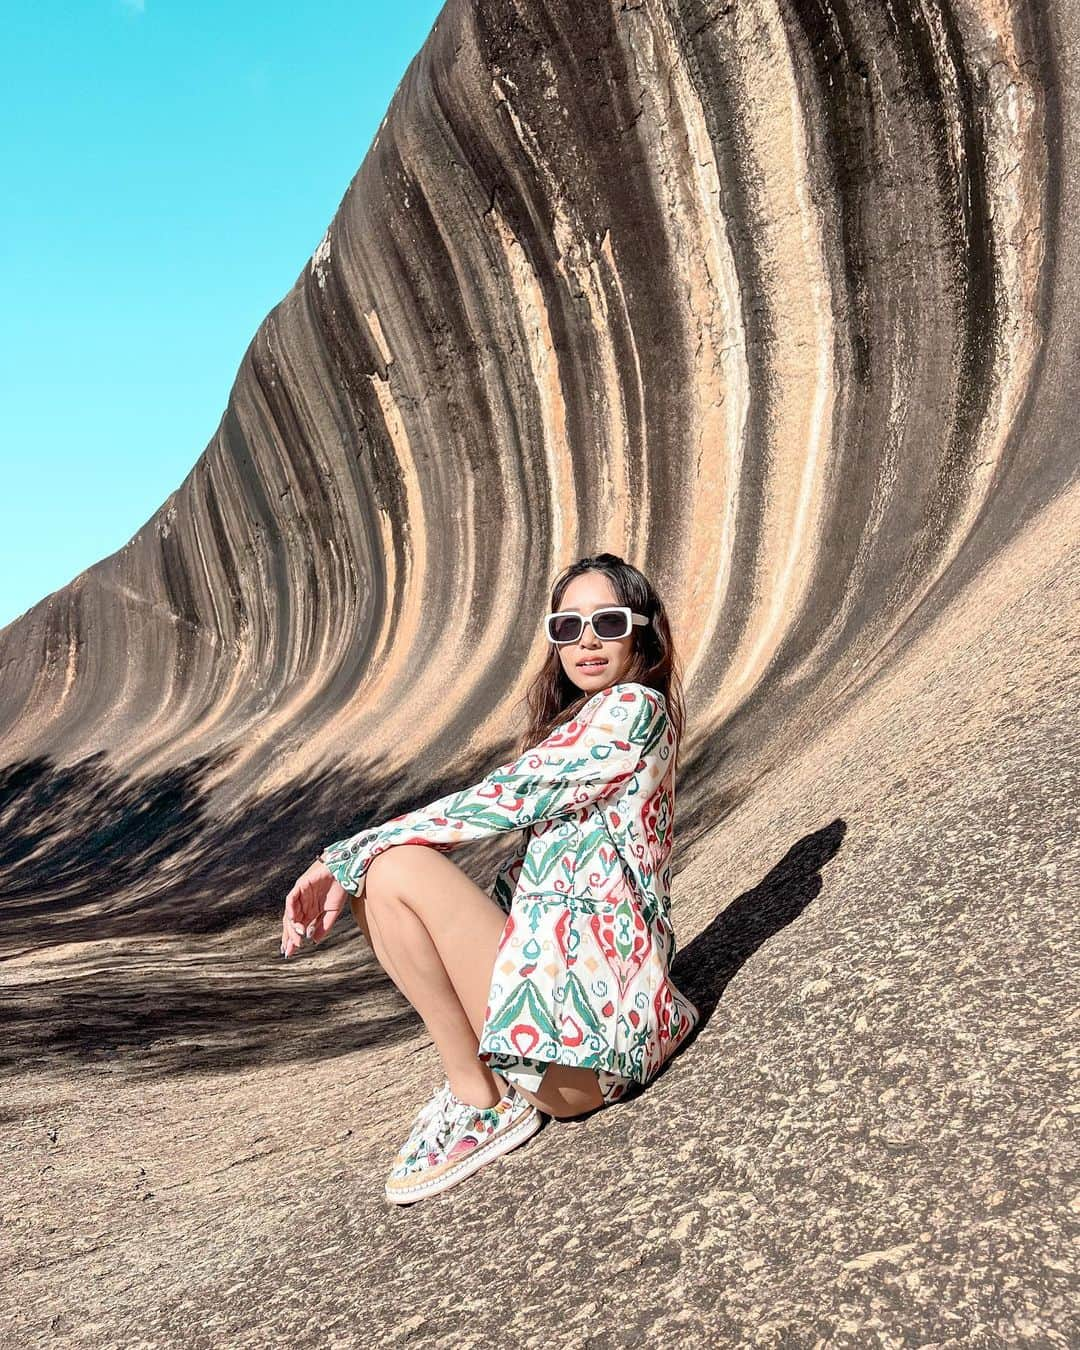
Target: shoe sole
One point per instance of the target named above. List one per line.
(495, 1147)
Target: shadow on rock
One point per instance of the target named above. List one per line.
(704, 968)
(165, 1018)
(88, 854)
(182, 908)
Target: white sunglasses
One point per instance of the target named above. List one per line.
(614, 621)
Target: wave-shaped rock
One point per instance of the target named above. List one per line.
(777, 299)
(757, 296)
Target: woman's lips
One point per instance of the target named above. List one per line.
(592, 665)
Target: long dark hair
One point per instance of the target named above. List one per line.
(552, 698)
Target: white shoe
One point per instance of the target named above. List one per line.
(461, 1141)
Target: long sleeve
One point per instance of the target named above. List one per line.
(585, 760)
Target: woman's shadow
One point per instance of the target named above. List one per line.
(704, 968)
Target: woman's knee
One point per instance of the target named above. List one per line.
(393, 867)
(382, 879)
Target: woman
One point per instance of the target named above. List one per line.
(552, 994)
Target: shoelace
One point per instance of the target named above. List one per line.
(427, 1124)
(443, 1115)
(434, 1107)
(454, 1114)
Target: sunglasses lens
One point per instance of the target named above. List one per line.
(564, 628)
(610, 623)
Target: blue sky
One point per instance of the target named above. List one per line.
(168, 169)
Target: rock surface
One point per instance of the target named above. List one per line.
(779, 302)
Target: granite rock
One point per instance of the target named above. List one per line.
(779, 301)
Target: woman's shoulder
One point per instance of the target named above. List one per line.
(627, 701)
(630, 691)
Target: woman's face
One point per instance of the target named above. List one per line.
(589, 591)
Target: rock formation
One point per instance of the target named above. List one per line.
(777, 299)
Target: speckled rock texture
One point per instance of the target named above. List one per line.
(779, 301)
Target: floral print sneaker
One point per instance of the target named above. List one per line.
(458, 1139)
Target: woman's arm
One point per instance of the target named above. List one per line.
(585, 760)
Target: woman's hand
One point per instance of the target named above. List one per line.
(311, 908)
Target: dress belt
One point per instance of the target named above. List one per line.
(588, 903)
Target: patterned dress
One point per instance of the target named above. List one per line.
(581, 976)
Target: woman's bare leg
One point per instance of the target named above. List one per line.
(416, 969)
(386, 960)
(435, 932)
